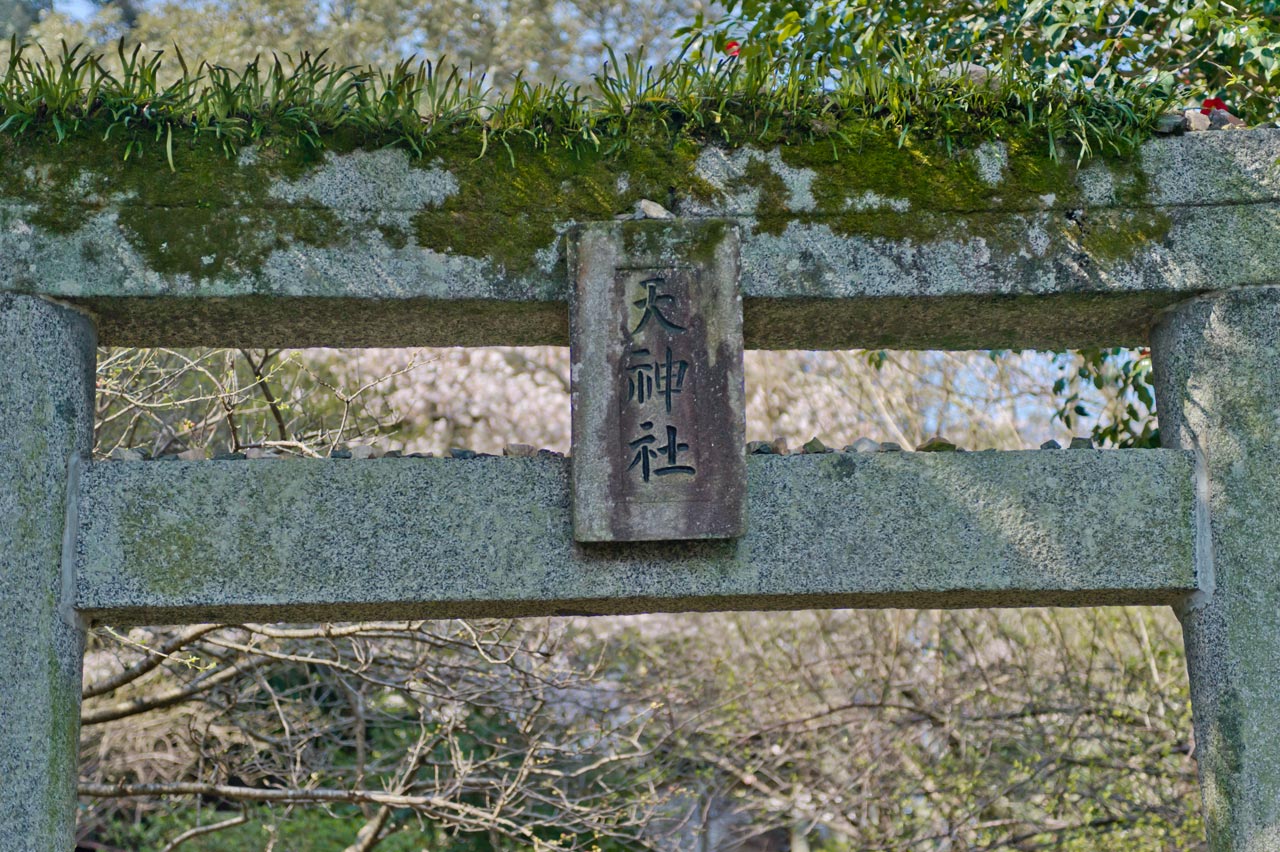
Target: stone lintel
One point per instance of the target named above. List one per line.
(371, 248)
(1003, 321)
(312, 540)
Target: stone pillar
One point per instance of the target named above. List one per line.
(46, 418)
(1217, 378)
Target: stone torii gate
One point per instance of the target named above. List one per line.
(1178, 249)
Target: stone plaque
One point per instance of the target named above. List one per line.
(658, 422)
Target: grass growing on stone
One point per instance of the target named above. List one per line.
(156, 102)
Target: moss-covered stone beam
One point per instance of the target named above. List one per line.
(862, 245)
(313, 540)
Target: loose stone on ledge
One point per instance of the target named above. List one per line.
(519, 450)
(814, 446)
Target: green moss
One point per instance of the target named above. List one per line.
(1224, 770)
(64, 743)
(164, 555)
(772, 215)
(942, 191)
(929, 177)
(508, 208)
(210, 216)
(922, 193)
(1115, 236)
(689, 241)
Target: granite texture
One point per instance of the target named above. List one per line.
(46, 406)
(1217, 372)
(309, 540)
(369, 248)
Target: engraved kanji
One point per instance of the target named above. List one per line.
(646, 454)
(651, 305)
(663, 378)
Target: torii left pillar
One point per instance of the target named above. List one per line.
(46, 426)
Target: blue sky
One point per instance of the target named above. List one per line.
(74, 8)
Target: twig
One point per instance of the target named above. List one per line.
(201, 830)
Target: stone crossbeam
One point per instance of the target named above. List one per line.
(873, 248)
(311, 540)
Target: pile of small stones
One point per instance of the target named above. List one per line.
(1196, 119)
(360, 451)
(936, 444)
(776, 447)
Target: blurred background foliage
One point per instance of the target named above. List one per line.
(1017, 730)
(1207, 49)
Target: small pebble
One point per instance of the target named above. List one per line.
(521, 451)
(550, 454)
(194, 454)
(1081, 444)
(230, 457)
(461, 453)
(863, 445)
(936, 444)
(890, 447)
(421, 455)
(339, 454)
(1050, 445)
(1171, 125)
(646, 209)
(1220, 119)
(121, 454)
(814, 446)
(780, 446)
(392, 454)
(1196, 120)
(759, 448)
(364, 451)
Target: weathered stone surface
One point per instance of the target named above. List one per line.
(657, 391)
(1217, 376)
(309, 540)
(46, 406)
(368, 248)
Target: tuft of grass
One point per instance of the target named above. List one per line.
(702, 95)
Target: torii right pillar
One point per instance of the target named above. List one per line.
(1217, 377)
